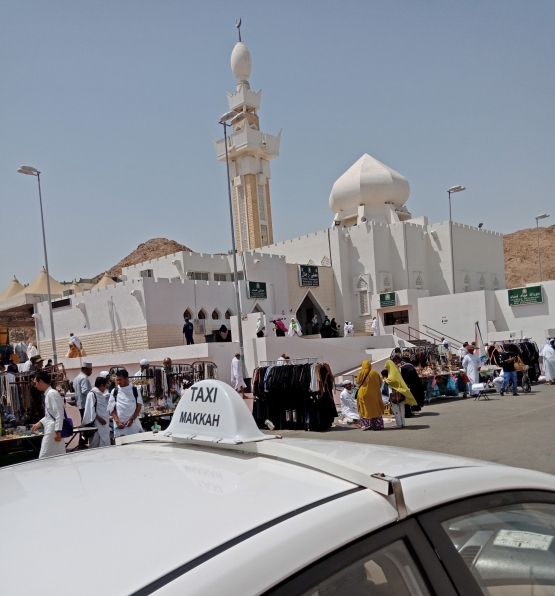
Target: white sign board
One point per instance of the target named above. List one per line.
(213, 411)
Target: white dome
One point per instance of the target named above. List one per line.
(241, 62)
(368, 182)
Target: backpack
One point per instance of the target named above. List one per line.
(133, 388)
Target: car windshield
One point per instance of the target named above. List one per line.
(510, 550)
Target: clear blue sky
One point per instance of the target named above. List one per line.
(115, 101)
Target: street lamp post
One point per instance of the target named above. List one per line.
(228, 120)
(29, 171)
(542, 216)
(453, 189)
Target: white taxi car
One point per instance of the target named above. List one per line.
(214, 507)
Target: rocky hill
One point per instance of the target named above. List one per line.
(151, 249)
(521, 256)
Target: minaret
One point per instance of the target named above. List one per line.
(249, 152)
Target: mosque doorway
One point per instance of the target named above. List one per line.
(308, 309)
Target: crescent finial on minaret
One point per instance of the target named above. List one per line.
(238, 25)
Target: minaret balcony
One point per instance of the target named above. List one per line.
(248, 141)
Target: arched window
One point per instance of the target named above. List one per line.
(363, 297)
(215, 314)
(202, 314)
(228, 313)
(257, 308)
(188, 313)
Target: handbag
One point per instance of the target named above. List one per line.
(396, 398)
(67, 425)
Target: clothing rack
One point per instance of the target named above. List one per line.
(291, 361)
(295, 396)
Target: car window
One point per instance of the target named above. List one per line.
(390, 571)
(510, 550)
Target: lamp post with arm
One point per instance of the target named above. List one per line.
(453, 189)
(229, 120)
(29, 171)
(542, 216)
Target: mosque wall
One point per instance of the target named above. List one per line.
(456, 315)
(324, 294)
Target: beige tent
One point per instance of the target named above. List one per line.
(77, 289)
(14, 288)
(105, 281)
(39, 286)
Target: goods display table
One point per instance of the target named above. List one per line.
(77, 432)
(10, 443)
(161, 416)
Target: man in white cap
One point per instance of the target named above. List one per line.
(82, 386)
(376, 326)
(349, 409)
(144, 363)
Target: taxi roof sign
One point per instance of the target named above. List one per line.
(212, 411)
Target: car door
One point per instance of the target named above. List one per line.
(396, 561)
(501, 544)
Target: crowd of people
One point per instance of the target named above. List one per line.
(397, 385)
(97, 405)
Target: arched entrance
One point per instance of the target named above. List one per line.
(306, 311)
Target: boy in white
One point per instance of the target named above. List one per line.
(125, 406)
(96, 410)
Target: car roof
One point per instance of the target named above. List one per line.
(167, 504)
(131, 518)
(140, 511)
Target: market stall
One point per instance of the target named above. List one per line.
(440, 376)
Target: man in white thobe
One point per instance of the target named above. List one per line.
(376, 326)
(471, 364)
(349, 409)
(125, 406)
(237, 381)
(96, 411)
(82, 386)
(52, 442)
(349, 329)
(548, 362)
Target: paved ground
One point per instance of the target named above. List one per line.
(517, 431)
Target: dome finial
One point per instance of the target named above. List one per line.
(241, 62)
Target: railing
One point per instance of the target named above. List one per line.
(415, 336)
(445, 335)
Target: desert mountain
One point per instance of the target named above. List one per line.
(521, 256)
(151, 249)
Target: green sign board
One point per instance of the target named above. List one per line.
(257, 289)
(529, 295)
(388, 299)
(308, 275)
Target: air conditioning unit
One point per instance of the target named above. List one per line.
(200, 326)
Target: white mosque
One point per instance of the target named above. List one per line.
(375, 259)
